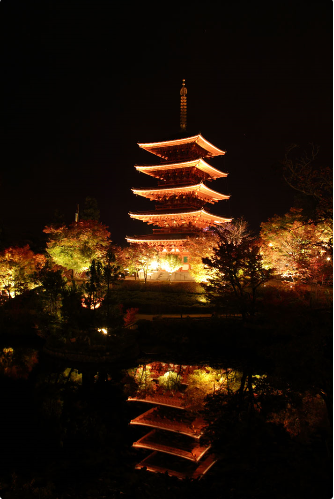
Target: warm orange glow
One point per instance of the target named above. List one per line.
(154, 265)
(181, 194)
(200, 164)
(92, 306)
(196, 139)
(200, 189)
(199, 218)
(103, 330)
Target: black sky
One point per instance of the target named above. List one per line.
(83, 83)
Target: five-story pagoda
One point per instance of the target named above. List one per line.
(182, 195)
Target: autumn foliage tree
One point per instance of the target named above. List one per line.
(171, 262)
(297, 248)
(236, 267)
(139, 258)
(18, 268)
(201, 246)
(74, 247)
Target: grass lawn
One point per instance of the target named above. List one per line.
(161, 297)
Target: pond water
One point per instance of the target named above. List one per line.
(66, 419)
(52, 407)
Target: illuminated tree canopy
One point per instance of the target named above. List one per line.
(17, 269)
(76, 246)
(140, 257)
(296, 248)
(171, 262)
(201, 246)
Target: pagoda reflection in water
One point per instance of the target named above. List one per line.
(175, 430)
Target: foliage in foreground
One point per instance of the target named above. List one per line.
(236, 267)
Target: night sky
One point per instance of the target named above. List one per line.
(84, 83)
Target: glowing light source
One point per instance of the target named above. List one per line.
(154, 265)
(92, 306)
(103, 330)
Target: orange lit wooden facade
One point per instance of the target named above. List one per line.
(182, 196)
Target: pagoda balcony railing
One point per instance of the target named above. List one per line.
(177, 205)
(183, 179)
(187, 153)
(176, 230)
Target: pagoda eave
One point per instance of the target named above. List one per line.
(200, 190)
(159, 148)
(154, 441)
(166, 219)
(200, 164)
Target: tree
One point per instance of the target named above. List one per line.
(101, 276)
(129, 259)
(170, 381)
(140, 257)
(94, 286)
(314, 182)
(76, 246)
(112, 266)
(171, 263)
(53, 284)
(236, 267)
(91, 210)
(17, 269)
(201, 246)
(297, 248)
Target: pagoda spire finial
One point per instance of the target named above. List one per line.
(183, 110)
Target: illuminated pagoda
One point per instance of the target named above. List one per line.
(182, 196)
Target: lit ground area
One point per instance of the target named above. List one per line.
(162, 275)
(161, 297)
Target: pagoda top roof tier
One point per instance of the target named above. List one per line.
(157, 170)
(167, 218)
(200, 189)
(166, 148)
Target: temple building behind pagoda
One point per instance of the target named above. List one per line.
(182, 195)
